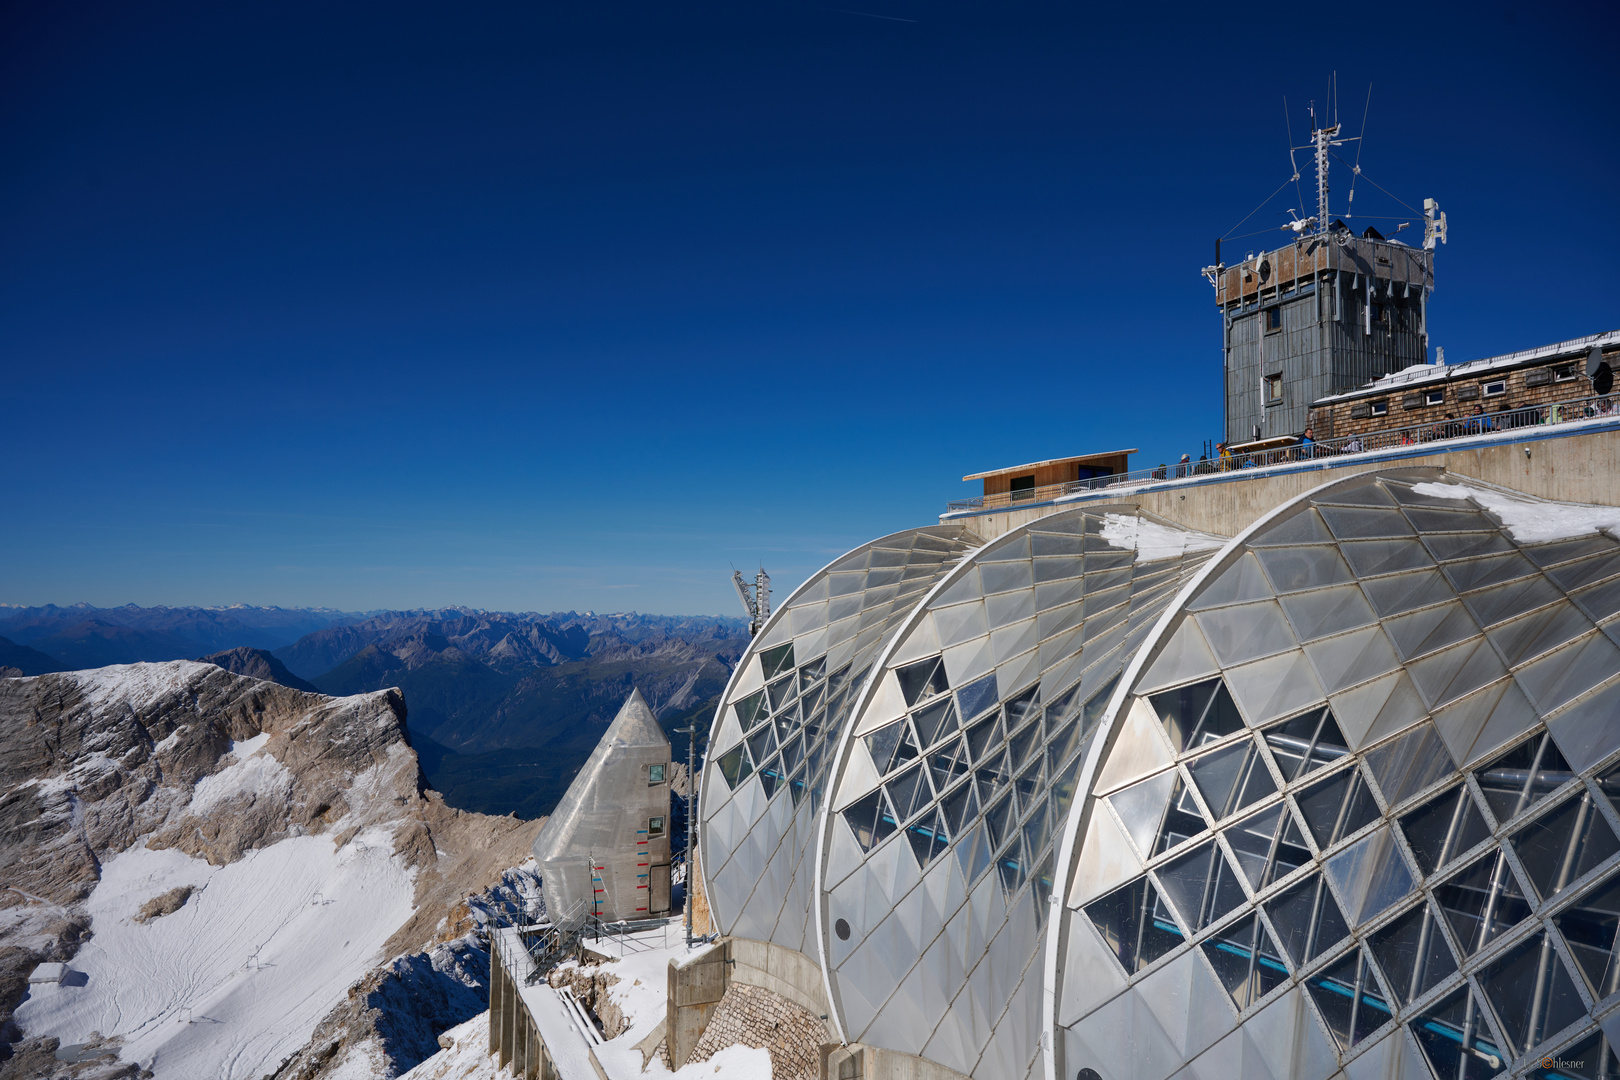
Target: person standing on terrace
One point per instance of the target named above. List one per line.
(1307, 445)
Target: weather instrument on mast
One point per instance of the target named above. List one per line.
(756, 598)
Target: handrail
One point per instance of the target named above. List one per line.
(1550, 415)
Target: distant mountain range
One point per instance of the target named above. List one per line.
(475, 682)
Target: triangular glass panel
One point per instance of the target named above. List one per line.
(973, 854)
(1532, 993)
(928, 838)
(1337, 806)
(1563, 844)
(1430, 629)
(883, 743)
(1232, 778)
(1097, 704)
(762, 743)
(793, 753)
(777, 660)
(991, 777)
(1522, 777)
(984, 736)
(770, 776)
(1294, 568)
(961, 806)
(1061, 708)
(1307, 919)
(1600, 601)
(1368, 494)
(1575, 575)
(1196, 714)
(1063, 790)
(1370, 875)
(797, 787)
(1491, 606)
(1589, 927)
(935, 721)
(1246, 960)
(1465, 545)
(908, 792)
(751, 709)
(1238, 582)
(1029, 782)
(1202, 885)
(1038, 829)
(1268, 845)
(948, 764)
(1159, 813)
(1020, 745)
(870, 819)
(1011, 865)
(1372, 557)
(1350, 999)
(1413, 953)
(923, 679)
(782, 691)
(735, 766)
(1066, 742)
(1539, 632)
(1564, 550)
(977, 696)
(1042, 889)
(1306, 743)
(1023, 707)
(1456, 1039)
(1303, 527)
(1135, 924)
(1482, 902)
(1406, 592)
(1445, 827)
(1491, 570)
(1359, 524)
(999, 819)
(1442, 521)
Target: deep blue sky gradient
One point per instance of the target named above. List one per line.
(533, 307)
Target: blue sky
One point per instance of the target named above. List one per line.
(408, 305)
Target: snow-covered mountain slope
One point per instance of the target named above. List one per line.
(244, 879)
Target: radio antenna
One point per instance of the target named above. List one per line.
(1350, 203)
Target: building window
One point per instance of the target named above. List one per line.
(1495, 388)
(1378, 313)
(655, 775)
(1274, 318)
(1563, 372)
(1434, 397)
(1273, 389)
(655, 826)
(1380, 408)
(1023, 487)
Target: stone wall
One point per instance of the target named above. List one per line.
(754, 1016)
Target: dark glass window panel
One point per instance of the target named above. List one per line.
(1182, 819)
(1246, 960)
(978, 696)
(1011, 865)
(928, 838)
(839, 680)
(1097, 704)
(1350, 1000)
(1413, 954)
(922, 680)
(813, 700)
(786, 725)
(735, 766)
(750, 709)
(1456, 1039)
(1025, 706)
(1194, 715)
(1041, 875)
(1523, 776)
(1061, 708)
(1532, 993)
(908, 792)
(948, 764)
(1406, 765)
(797, 787)
(1021, 744)
(1063, 789)
(1589, 929)
(1232, 778)
(793, 753)
(1306, 743)
(1563, 844)
(1482, 902)
(762, 743)
(936, 721)
(870, 819)
(1443, 828)
(811, 673)
(1336, 807)
(984, 735)
(777, 660)
(1592, 1058)
(1064, 743)
(992, 777)
(907, 750)
(1370, 875)
(999, 819)
(1268, 845)
(1202, 885)
(1136, 924)
(1038, 829)
(1307, 919)
(961, 806)
(770, 776)
(782, 691)
(1028, 783)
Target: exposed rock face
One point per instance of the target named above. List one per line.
(257, 664)
(94, 762)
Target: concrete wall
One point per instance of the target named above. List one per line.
(514, 1041)
(696, 985)
(860, 1062)
(1574, 464)
(780, 970)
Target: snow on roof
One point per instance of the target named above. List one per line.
(1425, 373)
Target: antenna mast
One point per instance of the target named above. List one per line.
(1323, 139)
(756, 598)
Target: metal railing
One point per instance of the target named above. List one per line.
(1552, 415)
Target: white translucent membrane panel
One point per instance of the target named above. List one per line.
(774, 735)
(973, 784)
(1440, 895)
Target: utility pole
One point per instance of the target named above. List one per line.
(690, 731)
